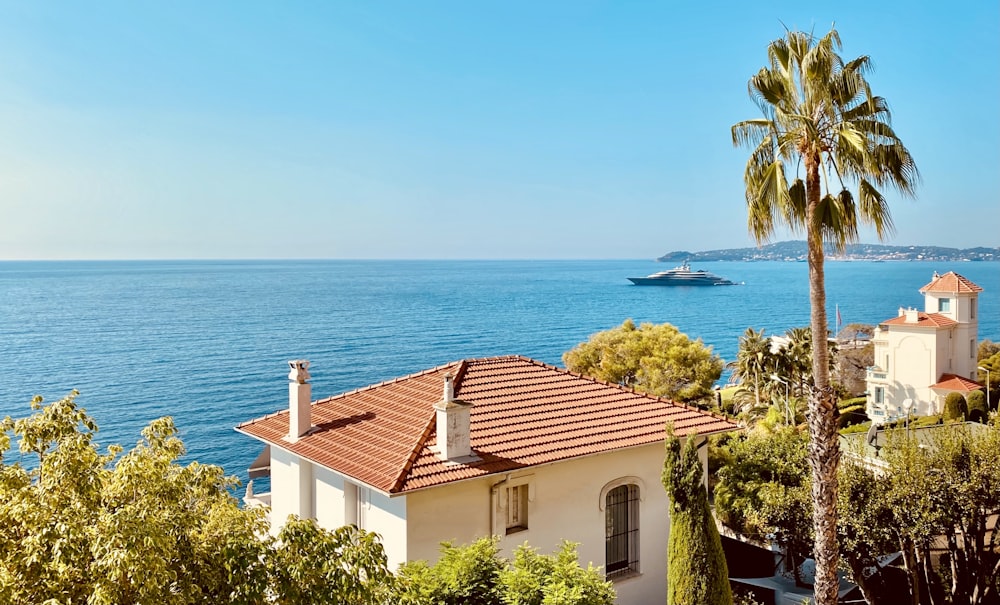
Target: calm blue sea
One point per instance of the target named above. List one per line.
(206, 341)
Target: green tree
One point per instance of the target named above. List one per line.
(819, 115)
(696, 564)
(992, 364)
(476, 574)
(763, 491)
(955, 407)
(654, 359)
(78, 526)
(938, 490)
(753, 367)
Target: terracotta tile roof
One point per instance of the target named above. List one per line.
(953, 382)
(524, 413)
(950, 282)
(924, 320)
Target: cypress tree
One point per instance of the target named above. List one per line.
(696, 566)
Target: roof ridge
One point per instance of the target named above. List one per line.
(404, 473)
(393, 381)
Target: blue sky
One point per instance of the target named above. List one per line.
(449, 129)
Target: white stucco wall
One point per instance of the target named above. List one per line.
(566, 504)
(388, 517)
(291, 487)
(329, 503)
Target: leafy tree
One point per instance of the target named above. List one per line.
(696, 564)
(940, 489)
(987, 348)
(654, 359)
(977, 406)
(955, 407)
(763, 491)
(991, 363)
(476, 574)
(819, 115)
(78, 526)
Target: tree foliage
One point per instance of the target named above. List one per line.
(476, 574)
(763, 490)
(78, 526)
(955, 407)
(654, 359)
(943, 489)
(696, 564)
(978, 411)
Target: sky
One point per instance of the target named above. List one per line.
(451, 130)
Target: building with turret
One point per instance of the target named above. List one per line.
(921, 356)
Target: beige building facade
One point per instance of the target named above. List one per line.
(921, 356)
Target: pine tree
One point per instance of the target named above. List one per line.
(696, 566)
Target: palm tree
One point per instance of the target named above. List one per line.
(820, 117)
(753, 360)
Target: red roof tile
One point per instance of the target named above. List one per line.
(924, 320)
(950, 282)
(953, 382)
(524, 413)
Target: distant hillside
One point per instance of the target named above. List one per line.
(796, 250)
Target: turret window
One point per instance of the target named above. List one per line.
(944, 305)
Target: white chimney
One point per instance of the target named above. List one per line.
(453, 420)
(912, 316)
(299, 399)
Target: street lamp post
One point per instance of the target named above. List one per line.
(907, 406)
(987, 386)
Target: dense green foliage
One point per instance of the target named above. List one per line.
(477, 575)
(80, 526)
(978, 411)
(696, 564)
(955, 407)
(990, 360)
(654, 359)
(763, 490)
(938, 491)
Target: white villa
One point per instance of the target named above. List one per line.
(921, 356)
(503, 446)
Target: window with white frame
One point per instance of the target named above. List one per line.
(944, 305)
(621, 530)
(972, 348)
(879, 395)
(972, 308)
(517, 508)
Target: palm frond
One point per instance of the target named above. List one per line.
(874, 210)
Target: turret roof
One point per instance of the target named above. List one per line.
(951, 282)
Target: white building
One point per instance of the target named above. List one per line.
(502, 446)
(921, 356)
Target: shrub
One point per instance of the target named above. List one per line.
(955, 407)
(852, 402)
(977, 407)
(854, 414)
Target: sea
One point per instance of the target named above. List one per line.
(206, 342)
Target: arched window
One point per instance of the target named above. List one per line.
(621, 525)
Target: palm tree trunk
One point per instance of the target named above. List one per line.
(824, 449)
